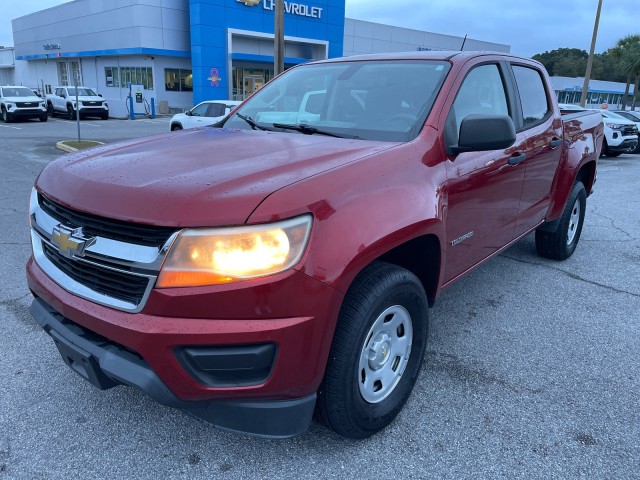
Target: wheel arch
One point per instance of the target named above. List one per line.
(422, 257)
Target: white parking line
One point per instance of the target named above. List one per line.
(7, 126)
(73, 122)
(154, 121)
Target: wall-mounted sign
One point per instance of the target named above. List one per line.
(289, 7)
(51, 46)
(424, 49)
(214, 77)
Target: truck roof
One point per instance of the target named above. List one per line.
(419, 55)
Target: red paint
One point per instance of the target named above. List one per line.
(366, 197)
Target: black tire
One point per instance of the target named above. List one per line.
(71, 113)
(6, 116)
(50, 111)
(44, 118)
(560, 245)
(613, 154)
(105, 116)
(381, 288)
(175, 127)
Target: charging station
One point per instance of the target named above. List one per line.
(137, 104)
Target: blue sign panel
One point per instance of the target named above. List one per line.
(211, 21)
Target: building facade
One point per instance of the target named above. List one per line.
(186, 51)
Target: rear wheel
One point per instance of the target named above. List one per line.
(560, 245)
(377, 351)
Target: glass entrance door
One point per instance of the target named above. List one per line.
(251, 84)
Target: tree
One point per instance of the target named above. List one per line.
(564, 62)
(627, 53)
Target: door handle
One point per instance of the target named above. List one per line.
(517, 158)
(556, 142)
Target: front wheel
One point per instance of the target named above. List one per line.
(44, 118)
(377, 351)
(50, 110)
(71, 113)
(6, 116)
(560, 245)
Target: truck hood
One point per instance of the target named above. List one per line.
(201, 177)
(34, 99)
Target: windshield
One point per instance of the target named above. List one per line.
(17, 92)
(371, 100)
(82, 92)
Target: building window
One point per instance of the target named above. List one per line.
(178, 80)
(122, 76)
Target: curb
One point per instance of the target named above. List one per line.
(66, 148)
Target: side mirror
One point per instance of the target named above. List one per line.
(100, 95)
(188, 113)
(479, 133)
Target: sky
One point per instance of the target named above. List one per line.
(529, 26)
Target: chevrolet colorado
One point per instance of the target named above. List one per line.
(278, 263)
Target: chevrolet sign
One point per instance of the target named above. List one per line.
(289, 7)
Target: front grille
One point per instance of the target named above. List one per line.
(95, 226)
(27, 104)
(630, 130)
(128, 288)
(91, 104)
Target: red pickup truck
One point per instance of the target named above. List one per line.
(284, 260)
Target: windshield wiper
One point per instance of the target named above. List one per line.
(254, 125)
(309, 130)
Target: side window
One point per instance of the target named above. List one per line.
(216, 110)
(482, 92)
(532, 95)
(200, 110)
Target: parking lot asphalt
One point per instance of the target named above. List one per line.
(532, 369)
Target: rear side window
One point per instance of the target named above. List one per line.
(532, 95)
(216, 110)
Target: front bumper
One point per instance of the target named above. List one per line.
(626, 146)
(144, 349)
(90, 111)
(105, 365)
(27, 112)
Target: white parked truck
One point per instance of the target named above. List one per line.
(21, 102)
(63, 102)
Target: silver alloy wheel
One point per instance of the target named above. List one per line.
(385, 354)
(574, 220)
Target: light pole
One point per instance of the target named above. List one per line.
(587, 75)
(278, 56)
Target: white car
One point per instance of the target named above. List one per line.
(621, 135)
(634, 117)
(63, 102)
(203, 114)
(21, 102)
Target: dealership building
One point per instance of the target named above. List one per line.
(186, 51)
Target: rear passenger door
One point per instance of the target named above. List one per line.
(543, 129)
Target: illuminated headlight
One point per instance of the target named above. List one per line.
(211, 256)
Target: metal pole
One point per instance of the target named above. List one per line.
(75, 82)
(587, 75)
(278, 57)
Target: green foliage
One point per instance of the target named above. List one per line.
(572, 62)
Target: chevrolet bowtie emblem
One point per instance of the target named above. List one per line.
(250, 3)
(70, 242)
